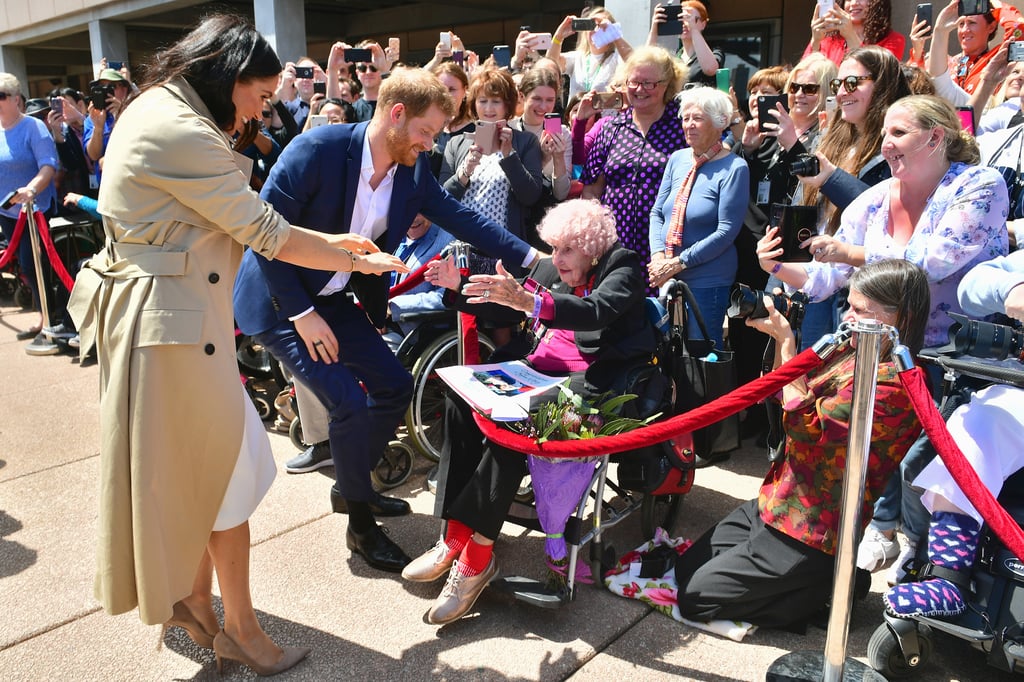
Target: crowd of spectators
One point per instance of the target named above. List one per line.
(688, 167)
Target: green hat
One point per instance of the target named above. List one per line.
(111, 75)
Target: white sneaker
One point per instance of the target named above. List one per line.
(875, 550)
(896, 571)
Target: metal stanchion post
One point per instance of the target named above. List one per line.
(42, 344)
(834, 665)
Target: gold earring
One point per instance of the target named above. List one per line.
(593, 261)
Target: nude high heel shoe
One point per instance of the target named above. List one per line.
(225, 647)
(183, 618)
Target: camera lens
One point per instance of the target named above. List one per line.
(806, 165)
(984, 339)
(745, 302)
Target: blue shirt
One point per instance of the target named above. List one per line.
(87, 133)
(24, 150)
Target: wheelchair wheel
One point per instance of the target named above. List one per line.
(659, 511)
(426, 411)
(295, 434)
(394, 467)
(885, 655)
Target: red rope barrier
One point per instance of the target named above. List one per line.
(12, 246)
(716, 410)
(51, 252)
(963, 473)
(413, 279)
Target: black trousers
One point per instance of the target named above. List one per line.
(476, 479)
(744, 570)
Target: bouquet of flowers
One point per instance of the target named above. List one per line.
(571, 417)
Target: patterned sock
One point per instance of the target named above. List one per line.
(952, 544)
(475, 557)
(457, 535)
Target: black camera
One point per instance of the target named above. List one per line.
(745, 302)
(806, 165)
(98, 95)
(983, 339)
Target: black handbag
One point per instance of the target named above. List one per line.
(699, 377)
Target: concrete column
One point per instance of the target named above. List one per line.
(283, 23)
(635, 17)
(12, 61)
(107, 39)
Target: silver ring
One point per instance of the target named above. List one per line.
(817, 251)
(318, 343)
(487, 293)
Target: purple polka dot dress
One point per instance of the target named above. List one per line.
(632, 166)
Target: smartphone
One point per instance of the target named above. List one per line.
(967, 8)
(825, 6)
(305, 71)
(584, 24)
(317, 120)
(358, 54)
(672, 26)
(722, 80)
(8, 200)
(57, 105)
(502, 56)
(830, 104)
(766, 103)
(116, 66)
(1016, 53)
(458, 57)
(607, 100)
(966, 115)
(541, 41)
(796, 225)
(553, 124)
(740, 78)
(320, 87)
(446, 39)
(923, 13)
(487, 136)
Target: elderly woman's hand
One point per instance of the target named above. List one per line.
(443, 273)
(501, 288)
(661, 268)
(828, 249)
(785, 129)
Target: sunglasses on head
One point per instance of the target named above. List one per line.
(851, 83)
(363, 68)
(808, 88)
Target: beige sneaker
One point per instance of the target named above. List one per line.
(431, 565)
(460, 593)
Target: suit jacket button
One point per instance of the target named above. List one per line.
(209, 348)
(277, 304)
(214, 278)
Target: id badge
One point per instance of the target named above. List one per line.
(764, 189)
(94, 182)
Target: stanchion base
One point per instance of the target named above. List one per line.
(808, 666)
(42, 346)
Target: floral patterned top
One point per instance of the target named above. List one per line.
(632, 166)
(802, 492)
(963, 224)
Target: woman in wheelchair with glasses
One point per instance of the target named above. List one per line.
(587, 305)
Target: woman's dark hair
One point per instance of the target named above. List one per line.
(539, 77)
(346, 109)
(901, 288)
(866, 141)
(877, 21)
(222, 50)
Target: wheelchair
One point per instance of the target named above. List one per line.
(994, 620)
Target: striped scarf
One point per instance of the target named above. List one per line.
(675, 227)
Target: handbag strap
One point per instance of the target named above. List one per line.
(691, 302)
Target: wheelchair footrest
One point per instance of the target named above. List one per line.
(531, 591)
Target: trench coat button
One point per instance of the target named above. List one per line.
(209, 348)
(214, 278)
(275, 303)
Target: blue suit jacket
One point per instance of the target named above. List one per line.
(313, 185)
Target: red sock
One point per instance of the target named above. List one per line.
(476, 557)
(457, 535)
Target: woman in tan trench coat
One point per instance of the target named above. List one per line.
(156, 301)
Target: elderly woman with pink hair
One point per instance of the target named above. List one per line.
(586, 305)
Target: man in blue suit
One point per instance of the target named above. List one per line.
(372, 179)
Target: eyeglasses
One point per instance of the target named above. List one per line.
(363, 68)
(807, 88)
(646, 85)
(851, 83)
(268, 114)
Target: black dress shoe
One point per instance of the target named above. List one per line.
(379, 506)
(378, 549)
